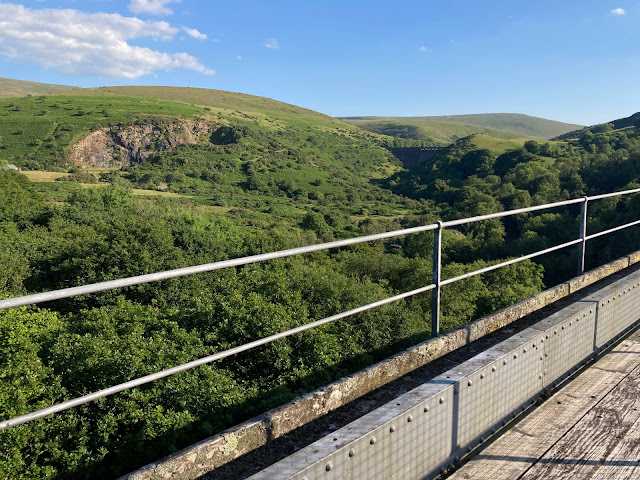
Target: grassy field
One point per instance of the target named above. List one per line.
(21, 88)
(434, 132)
(220, 102)
(497, 145)
(43, 176)
(445, 129)
(47, 176)
(156, 193)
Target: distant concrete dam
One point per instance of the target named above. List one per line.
(412, 156)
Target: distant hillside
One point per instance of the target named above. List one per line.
(446, 129)
(10, 87)
(619, 124)
(196, 142)
(432, 132)
(223, 101)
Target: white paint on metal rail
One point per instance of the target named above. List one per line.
(611, 230)
(613, 194)
(462, 221)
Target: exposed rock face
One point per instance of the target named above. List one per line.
(119, 146)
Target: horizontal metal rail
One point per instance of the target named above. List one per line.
(462, 221)
(207, 267)
(508, 262)
(613, 194)
(201, 361)
(611, 230)
(434, 288)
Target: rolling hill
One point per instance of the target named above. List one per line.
(222, 101)
(221, 148)
(447, 129)
(629, 122)
(10, 87)
(237, 175)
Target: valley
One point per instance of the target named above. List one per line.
(120, 181)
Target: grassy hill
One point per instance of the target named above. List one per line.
(430, 131)
(10, 87)
(220, 100)
(628, 123)
(220, 148)
(447, 129)
(497, 146)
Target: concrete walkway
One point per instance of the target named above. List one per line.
(588, 429)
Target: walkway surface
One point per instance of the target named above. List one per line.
(588, 429)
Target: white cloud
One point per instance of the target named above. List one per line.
(239, 57)
(153, 7)
(271, 43)
(619, 11)
(88, 44)
(192, 32)
(424, 49)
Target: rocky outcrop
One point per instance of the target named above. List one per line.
(117, 146)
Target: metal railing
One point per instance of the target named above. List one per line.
(434, 287)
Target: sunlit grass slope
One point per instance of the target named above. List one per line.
(447, 129)
(276, 152)
(10, 87)
(219, 101)
(433, 132)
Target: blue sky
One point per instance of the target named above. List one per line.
(574, 61)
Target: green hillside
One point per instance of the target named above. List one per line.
(131, 180)
(222, 101)
(10, 87)
(628, 123)
(446, 129)
(431, 132)
(480, 174)
(205, 143)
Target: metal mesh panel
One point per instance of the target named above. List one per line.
(410, 445)
(431, 426)
(607, 322)
(628, 305)
(490, 394)
(618, 307)
(426, 428)
(569, 338)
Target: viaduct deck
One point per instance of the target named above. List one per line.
(588, 429)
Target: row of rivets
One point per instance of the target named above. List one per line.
(392, 428)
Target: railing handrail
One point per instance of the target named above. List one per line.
(434, 288)
(206, 267)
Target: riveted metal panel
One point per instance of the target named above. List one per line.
(618, 307)
(607, 321)
(429, 427)
(489, 395)
(409, 436)
(627, 305)
(568, 340)
(433, 425)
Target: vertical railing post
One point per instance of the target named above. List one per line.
(583, 235)
(437, 272)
